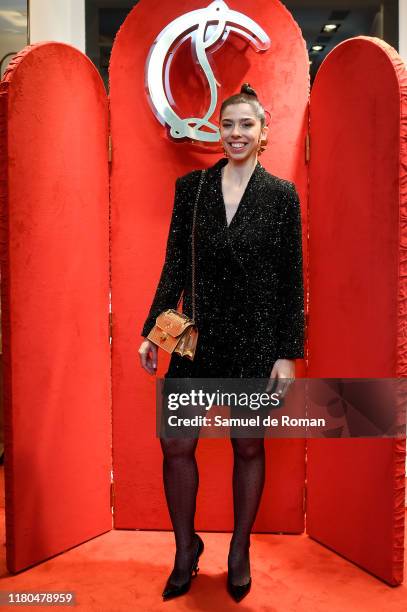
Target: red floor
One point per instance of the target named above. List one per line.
(126, 570)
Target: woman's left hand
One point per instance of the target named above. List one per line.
(282, 374)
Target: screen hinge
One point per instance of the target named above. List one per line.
(304, 499)
(307, 147)
(112, 495)
(109, 149)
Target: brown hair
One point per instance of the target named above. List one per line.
(247, 94)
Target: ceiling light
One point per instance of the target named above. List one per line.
(317, 47)
(330, 27)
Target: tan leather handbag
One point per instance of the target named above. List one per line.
(174, 331)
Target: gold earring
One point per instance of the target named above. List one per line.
(225, 153)
(262, 145)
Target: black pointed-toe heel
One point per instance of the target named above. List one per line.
(238, 591)
(174, 590)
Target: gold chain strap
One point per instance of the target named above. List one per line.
(193, 242)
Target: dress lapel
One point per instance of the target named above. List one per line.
(214, 200)
(249, 202)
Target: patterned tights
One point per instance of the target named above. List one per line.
(181, 479)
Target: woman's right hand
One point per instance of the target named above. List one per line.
(148, 353)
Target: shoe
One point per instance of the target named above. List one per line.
(238, 591)
(174, 590)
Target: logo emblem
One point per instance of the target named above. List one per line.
(208, 28)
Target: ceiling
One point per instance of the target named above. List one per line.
(354, 17)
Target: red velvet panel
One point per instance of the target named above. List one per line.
(55, 302)
(145, 165)
(358, 288)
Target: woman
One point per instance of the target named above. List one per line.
(249, 314)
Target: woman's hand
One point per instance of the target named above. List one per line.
(148, 353)
(283, 370)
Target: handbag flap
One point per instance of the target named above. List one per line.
(173, 323)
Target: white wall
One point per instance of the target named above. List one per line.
(13, 29)
(403, 29)
(60, 20)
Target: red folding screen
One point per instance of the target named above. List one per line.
(145, 164)
(55, 285)
(358, 287)
(55, 302)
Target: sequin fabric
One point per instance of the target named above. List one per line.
(249, 281)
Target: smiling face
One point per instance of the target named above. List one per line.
(240, 131)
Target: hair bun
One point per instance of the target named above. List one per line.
(245, 88)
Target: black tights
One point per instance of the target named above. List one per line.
(181, 479)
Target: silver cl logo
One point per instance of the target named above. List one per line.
(218, 21)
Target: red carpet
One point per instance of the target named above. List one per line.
(126, 570)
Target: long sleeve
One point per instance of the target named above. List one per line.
(172, 277)
(291, 326)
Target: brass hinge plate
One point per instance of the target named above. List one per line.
(109, 149)
(112, 495)
(307, 147)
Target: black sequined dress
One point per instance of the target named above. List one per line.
(249, 283)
